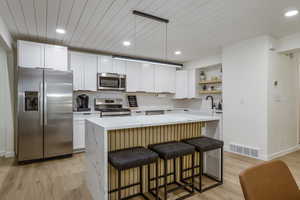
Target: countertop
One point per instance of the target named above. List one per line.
(114, 123)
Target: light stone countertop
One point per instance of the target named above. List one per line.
(114, 123)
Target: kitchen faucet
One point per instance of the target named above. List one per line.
(212, 101)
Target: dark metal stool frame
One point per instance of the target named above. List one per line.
(201, 173)
(140, 183)
(182, 185)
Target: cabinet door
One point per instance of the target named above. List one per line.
(170, 79)
(133, 76)
(30, 54)
(90, 72)
(78, 134)
(147, 78)
(105, 64)
(161, 79)
(56, 57)
(77, 66)
(181, 84)
(119, 66)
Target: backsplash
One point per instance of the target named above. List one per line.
(144, 100)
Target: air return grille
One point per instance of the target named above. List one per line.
(248, 151)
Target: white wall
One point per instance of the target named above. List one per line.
(245, 72)
(290, 43)
(204, 62)
(6, 105)
(282, 104)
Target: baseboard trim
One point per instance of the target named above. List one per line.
(284, 152)
(10, 154)
(2, 153)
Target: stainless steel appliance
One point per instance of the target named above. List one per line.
(111, 81)
(111, 107)
(45, 118)
(82, 102)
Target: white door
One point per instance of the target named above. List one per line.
(30, 54)
(181, 84)
(90, 72)
(133, 76)
(77, 66)
(119, 66)
(147, 78)
(56, 57)
(105, 64)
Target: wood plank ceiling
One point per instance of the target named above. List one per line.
(197, 27)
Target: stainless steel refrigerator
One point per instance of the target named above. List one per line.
(45, 117)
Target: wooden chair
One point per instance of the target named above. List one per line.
(269, 181)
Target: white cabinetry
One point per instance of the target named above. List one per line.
(34, 55)
(105, 64)
(56, 57)
(30, 54)
(119, 67)
(79, 130)
(187, 84)
(133, 72)
(181, 84)
(84, 68)
(147, 78)
(165, 79)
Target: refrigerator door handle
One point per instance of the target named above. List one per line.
(41, 96)
(45, 104)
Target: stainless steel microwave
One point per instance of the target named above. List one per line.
(111, 81)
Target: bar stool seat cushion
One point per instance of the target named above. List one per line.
(203, 143)
(131, 157)
(169, 150)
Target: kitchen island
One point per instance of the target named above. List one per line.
(108, 134)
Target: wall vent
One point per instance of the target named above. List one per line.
(243, 150)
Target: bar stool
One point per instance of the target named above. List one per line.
(171, 151)
(202, 145)
(132, 158)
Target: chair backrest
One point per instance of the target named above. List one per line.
(269, 181)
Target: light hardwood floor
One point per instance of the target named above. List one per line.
(63, 179)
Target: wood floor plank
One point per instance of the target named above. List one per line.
(63, 179)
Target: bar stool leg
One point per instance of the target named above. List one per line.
(165, 179)
(157, 180)
(174, 168)
(119, 184)
(193, 172)
(141, 179)
(181, 169)
(201, 170)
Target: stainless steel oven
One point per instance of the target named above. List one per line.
(111, 81)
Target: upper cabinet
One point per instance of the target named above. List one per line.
(147, 78)
(187, 84)
(106, 64)
(38, 55)
(84, 67)
(164, 79)
(133, 78)
(30, 54)
(56, 57)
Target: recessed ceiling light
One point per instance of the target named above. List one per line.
(291, 13)
(60, 31)
(177, 52)
(126, 43)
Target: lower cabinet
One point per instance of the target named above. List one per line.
(78, 135)
(79, 130)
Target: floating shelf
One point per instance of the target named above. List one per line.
(210, 82)
(211, 92)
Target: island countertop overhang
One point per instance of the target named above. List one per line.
(115, 123)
